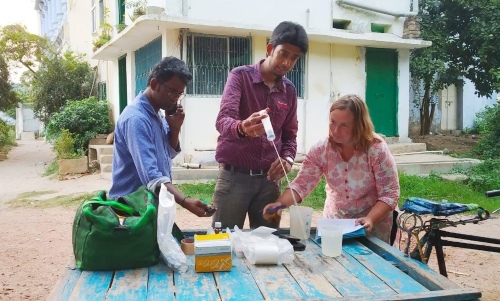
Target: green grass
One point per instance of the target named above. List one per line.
(432, 187)
(436, 189)
(29, 199)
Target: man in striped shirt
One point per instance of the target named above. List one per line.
(249, 167)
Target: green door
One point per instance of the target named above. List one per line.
(382, 89)
(122, 82)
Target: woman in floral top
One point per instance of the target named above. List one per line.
(361, 176)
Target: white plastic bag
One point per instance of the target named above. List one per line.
(261, 247)
(170, 250)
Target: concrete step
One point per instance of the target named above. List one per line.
(192, 174)
(401, 148)
(106, 168)
(425, 163)
(106, 159)
(27, 135)
(107, 150)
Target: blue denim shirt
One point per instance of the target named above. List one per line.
(142, 153)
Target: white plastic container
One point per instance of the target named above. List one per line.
(331, 240)
(300, 221)
(268, 127)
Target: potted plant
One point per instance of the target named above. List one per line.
(103, 35)
(69, 161)
(138, 8)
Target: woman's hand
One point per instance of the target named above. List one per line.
(272, 212)
(366, 222)
(197, 207)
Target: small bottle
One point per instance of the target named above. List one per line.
(217, 227)
(268, 127)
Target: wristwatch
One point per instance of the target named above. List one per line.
(289, 160)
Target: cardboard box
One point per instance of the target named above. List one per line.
(212, 253)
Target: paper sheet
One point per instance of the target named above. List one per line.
(347, 225)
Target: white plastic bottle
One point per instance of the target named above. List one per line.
(218, 227)
(268, 127)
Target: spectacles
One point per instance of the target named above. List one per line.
(174, 94)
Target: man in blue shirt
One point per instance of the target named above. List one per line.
(146, 141)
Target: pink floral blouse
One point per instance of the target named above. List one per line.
(352, 187)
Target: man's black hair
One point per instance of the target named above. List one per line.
(167, 68)
(291, 33)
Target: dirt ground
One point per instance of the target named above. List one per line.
(36, 242)
(455, 144)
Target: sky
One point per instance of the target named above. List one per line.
(19, 11)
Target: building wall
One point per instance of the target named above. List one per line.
(316, 14)
(472, 104)
(332, 70)
(469, 104)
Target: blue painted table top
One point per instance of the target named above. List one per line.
(368, 269)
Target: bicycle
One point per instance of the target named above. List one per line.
(413, 224)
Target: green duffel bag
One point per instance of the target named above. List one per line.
(116, 233)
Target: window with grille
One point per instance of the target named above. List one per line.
(101, 91)
(297, 74)
(145, 59)
(210, 58)
(101, 11)
(93, 12)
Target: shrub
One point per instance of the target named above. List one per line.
(7, 135)
(65, 146)
(488, 126)
(83, 119)
(485, 176)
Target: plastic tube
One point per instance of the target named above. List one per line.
(268, 127)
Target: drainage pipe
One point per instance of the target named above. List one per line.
(191, 165)
(377, 10)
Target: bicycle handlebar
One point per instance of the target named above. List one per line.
(492, 193)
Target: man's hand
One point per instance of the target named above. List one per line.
(276, 170)
(198, 208)
(175, 121)
(252, 126)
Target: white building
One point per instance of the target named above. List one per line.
(456, 108)
(355, 47)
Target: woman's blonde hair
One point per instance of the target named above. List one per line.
(363, 131)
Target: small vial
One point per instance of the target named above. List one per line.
(217, 227)
(268, 127)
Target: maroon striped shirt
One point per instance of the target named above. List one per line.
(245, 93)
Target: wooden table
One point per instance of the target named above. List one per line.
(368, 269)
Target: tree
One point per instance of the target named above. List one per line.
(61, 77)
(8, 97)
(18, 46)
(463, 34)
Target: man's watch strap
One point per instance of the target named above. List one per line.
(289, 160)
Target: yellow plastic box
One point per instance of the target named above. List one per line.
(212, 253)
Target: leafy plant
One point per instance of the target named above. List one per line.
(65, 146)
(83, 119)
(463, 40)
(120, 27)
(59, 78)
(103, 34)
(138, 6)
(7, 138)
(487, 122)
(8, 97)
(20, 47)
(485, 176)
